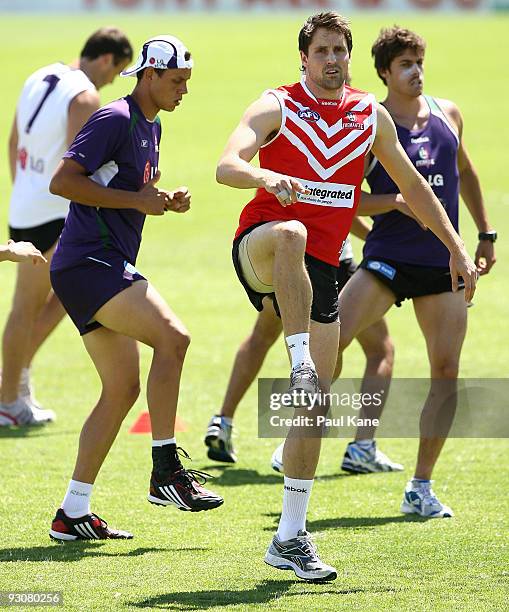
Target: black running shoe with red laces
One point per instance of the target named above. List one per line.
(88, 527)
(183, 489)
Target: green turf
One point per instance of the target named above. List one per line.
(214, 560)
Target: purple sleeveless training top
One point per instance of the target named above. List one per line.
(433, 151)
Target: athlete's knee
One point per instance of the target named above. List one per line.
(345, 339)
(445, 369)
(182, 342)
(132, 392)
(260, 341)
(122, 394)
(380, 354)
(25, 309)
(174, 342)
(291, 235)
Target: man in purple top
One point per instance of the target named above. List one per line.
(110, 174)
(403, 261)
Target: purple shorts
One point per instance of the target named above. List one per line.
(88, 285)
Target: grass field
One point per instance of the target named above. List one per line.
(214, 560)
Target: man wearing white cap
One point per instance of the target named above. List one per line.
(110, 174)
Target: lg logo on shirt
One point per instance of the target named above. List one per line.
(436, 180)
(26, 160)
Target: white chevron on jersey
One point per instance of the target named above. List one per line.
(326, 170)
(326, 151)
(326, 173)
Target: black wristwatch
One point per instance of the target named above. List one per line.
(491, 236)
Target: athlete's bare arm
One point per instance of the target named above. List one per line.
(360, 228)
(260, 123)
(80, 109)
(13, 148)
(71, 182)
(422, 201)
(470, 190)
(20, 252)
(377, 204)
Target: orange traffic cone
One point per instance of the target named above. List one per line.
(142, 424)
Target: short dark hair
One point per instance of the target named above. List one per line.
(392, 42)
(328, 20)
(108, 40)
(158, 71)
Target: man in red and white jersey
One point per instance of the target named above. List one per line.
(54, 103)
(312, 138)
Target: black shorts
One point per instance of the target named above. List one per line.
(323, 277)
(43, 237)
(408, 281)
(346, 270)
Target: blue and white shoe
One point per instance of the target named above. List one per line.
(276, 460)
(420, 499)
(361, 460)
(218, 439)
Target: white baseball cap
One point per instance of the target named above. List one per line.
(161, 52)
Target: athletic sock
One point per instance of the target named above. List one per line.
(24, 378)
(165, 459)
(164, 442)
(295, 506)
(298, 345)
(77, 499)
(417, 482)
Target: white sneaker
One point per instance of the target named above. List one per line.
(23, 413)
(276, 460)
(359, 460)
(25, 389)
(420, 499)
(299, 554)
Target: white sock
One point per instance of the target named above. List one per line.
(164, 442)
(25, 376)
(418, 482)
(298, 345)
(295, 506)
(226, 420)
(77, 499)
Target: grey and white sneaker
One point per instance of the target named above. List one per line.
(22, 413)
(25, 389)
(219, 440)
(276, 461)
(420, 499)
(361, 460)
(299, 554)
(303, 378)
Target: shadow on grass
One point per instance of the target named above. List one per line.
(351, 522)
(264, 592)
(32, 432)
(76, 551)
(229, 476)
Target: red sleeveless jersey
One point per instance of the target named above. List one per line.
(322, 143)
